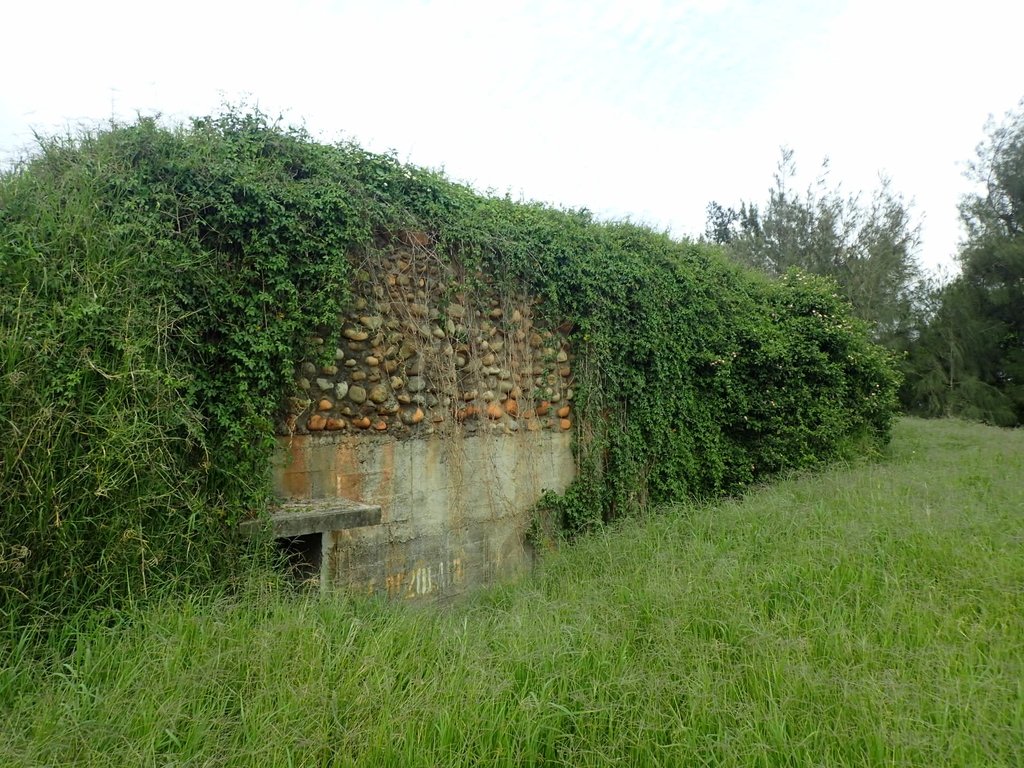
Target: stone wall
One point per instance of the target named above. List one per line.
(426, 348)
(444, 400)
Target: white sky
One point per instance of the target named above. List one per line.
(648, 109)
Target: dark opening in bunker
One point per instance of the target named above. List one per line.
(299, 528)
(303, 555)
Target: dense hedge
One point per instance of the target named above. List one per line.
(156, 286)
(698, 377)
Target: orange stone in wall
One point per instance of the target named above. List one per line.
(543, 408)
(325, 405)
(564, 423)
(495, 411)
(335, 424)
(363, 422)
(316, 423)
(511, 407)
(380, 426)
(563, 412)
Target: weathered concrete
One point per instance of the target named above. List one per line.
(453, 512)
(301, 518)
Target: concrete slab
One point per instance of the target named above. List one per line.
(300, 518)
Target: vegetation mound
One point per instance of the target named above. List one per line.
(157, 286)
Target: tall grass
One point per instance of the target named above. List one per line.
(869, 615)
(93, 418)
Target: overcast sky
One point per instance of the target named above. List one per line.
(643, 108)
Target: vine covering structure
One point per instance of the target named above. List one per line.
(159, 286)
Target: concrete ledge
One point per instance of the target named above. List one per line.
(300, 518)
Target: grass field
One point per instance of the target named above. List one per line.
(868, 615)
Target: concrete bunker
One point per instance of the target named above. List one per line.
(441, 401)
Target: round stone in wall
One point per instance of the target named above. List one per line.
(373, 322)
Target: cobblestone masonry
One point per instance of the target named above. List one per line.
(440, 398)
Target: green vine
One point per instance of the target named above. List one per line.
(157, 287)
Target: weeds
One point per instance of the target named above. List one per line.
(869, 615)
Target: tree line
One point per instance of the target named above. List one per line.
(960, 342)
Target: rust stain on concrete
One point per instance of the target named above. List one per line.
(394, 582)
(293, 479)
(384, 493)
(347, 473)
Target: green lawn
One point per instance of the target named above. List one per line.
(868, 615)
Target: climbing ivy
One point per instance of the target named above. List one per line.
(157, 286)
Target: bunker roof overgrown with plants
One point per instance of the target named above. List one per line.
(157, 285)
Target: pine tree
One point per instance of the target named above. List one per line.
(869, 250)
(976, 335)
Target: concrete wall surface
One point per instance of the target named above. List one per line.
(453, 511)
